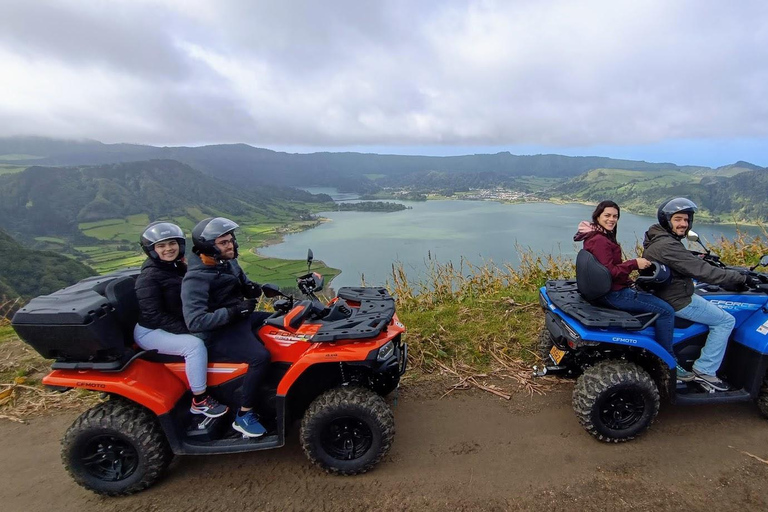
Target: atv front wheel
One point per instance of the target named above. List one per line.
(347, 430)
(615, 400)
(116, 448)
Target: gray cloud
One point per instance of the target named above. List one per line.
(347, 72)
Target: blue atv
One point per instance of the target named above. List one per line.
(623, 373)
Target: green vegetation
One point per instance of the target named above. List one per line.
(370, 206)
(26, 272)
(472, 316)
(11, 168)
(282, 273)
(734, 198)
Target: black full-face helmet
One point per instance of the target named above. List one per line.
(673, 206)
(159, 232)
(206, 232)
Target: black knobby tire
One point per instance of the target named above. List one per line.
(615, 400)
(545, 344)
(347, 430)
(762, 398)
(115, 448)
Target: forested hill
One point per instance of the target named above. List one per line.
(53, 201)
(245, 165)
(721, 198)
(27, 272)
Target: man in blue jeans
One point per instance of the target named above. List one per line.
(663, 243)
(218, 303)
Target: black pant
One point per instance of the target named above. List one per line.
(237, 343)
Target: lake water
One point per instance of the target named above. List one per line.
(367, 244)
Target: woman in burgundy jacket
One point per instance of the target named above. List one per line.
(599, 237)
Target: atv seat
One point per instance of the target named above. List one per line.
(565, 295)
(121, 295)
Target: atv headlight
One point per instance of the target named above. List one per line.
(386, 351)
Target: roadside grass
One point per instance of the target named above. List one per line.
(470, 315)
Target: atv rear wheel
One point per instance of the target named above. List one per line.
(545, 344)
(762, 397)
(615, 400)
(347, 431)
(115, 448)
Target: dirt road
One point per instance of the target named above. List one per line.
(468, 451)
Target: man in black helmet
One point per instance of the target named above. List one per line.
(218, 302)
(663, 243)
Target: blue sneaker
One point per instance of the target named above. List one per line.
(684, 375)
(248, 424)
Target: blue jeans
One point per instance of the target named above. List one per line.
(191, 347)
(628, 299)
(720, 326)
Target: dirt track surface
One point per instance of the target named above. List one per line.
(467, 451)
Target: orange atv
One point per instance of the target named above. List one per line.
(331, 365)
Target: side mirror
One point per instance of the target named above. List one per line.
(310, 256)
(762, 263)
(692, 236)
(271, 291)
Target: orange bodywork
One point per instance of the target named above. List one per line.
(149, 384)
(159, 386)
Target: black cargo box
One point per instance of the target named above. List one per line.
(92, 320)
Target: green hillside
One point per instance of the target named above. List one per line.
(49, 201)
(722, 197)
(95, 214)
(27, 272)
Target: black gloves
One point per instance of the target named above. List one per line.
(243, 309)
(752, 281)
(252, 290)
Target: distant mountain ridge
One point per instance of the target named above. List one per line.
(246, 165)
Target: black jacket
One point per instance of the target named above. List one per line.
(158, 290)
(660, 245)
(208, 290)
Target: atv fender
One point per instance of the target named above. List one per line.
(148, 384)
(327, 353)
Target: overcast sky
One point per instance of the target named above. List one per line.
(660, 80)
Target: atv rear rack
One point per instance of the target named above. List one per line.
(377, 307)
(565, 296)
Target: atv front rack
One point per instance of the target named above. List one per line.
(565, 296)
(375, 311)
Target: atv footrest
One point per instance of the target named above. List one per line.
(565, 296)
(693, 395)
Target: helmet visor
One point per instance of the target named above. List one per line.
(218, 227)
(162, 231)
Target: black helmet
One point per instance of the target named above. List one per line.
(160, 231)
(657, 274)
(673, 206)
(206, 232)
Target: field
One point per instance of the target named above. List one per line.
(11, 168)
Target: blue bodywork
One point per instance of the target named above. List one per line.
(749, 309)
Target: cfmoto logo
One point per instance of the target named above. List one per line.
(624, 340)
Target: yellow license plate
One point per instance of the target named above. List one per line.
(556, 354)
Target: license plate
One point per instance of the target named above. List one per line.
(556, 354)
